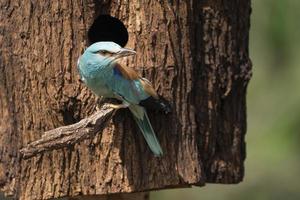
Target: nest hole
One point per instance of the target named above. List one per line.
(108, 28)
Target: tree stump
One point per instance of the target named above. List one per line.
(194, 52)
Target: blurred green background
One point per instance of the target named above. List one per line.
(272, 167)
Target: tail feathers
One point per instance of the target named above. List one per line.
(161, 104)
(141, 118)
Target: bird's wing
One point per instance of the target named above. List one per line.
(148, 87)
(129, 83)
(126, 72)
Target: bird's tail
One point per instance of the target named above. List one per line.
(141, 118)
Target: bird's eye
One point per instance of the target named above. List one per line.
(103, 52)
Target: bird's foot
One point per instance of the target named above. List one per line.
(117, 106)
(97, 108)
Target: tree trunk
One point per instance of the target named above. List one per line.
(195, 54)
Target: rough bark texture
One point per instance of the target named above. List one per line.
(134, 196)
(195, 54)
(65, 136)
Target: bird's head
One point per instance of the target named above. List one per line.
(108, 52)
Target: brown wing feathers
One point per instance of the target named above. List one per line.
(127, 72)
(148, 88)
(130, 74)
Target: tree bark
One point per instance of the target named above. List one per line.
(134, 196)
(194, 52)
(65, 136)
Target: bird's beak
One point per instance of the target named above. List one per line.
(125, 52)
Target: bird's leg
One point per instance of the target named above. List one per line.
(100, 102)
(118, 106)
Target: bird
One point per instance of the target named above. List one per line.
(100, 70)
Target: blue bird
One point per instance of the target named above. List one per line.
(100, 71)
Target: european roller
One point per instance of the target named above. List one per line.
(100, 71)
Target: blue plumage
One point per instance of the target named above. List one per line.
(117, 72)
(105, 77)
